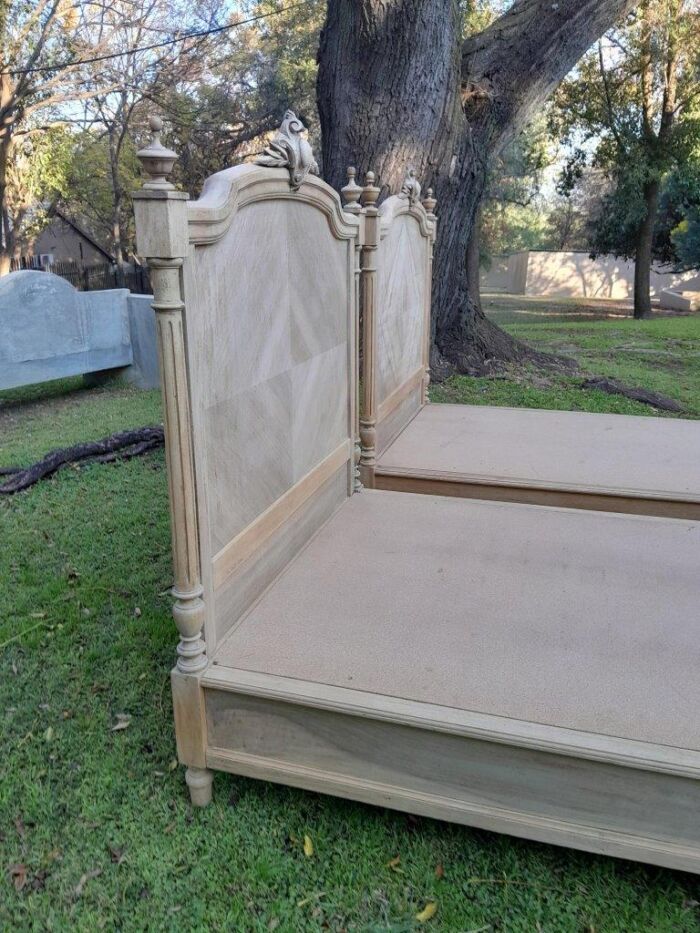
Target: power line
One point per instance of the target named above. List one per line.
(156, 45)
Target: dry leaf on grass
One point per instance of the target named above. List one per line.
(308, 847)
(316, 896)
(116, 853)
(18, 874)
(427, 913)
(123, 722)
(439, 871)
(88, 876)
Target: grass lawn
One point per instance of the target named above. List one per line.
(96, 830)
(661, 354)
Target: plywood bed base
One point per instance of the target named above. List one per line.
(525, 670)
(639, 465)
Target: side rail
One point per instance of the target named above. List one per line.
(395, 299)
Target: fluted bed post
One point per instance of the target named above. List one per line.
(352, 192)
(368, 291)
(429, 203)
(161, 231)
(162, 238)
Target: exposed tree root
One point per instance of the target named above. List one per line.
(121, 446)
(613, 387)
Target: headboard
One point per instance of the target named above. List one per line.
(395, 291)
(257, 324)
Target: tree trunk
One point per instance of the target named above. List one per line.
(643, 252)
(397, 88)
(474, 261)
(6, 238)
(117, 198)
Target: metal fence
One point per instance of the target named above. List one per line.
(95, 277)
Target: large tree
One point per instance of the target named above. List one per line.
(400, 85)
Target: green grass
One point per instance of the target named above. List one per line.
(661, 354)
(86, 637)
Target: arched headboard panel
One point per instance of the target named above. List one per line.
(268, 309)
(397, 252)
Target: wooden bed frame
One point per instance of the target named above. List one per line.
(639, 465)
(524, 670)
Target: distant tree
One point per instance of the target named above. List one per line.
(89, 194)
(132, 80)
(36, 38)
(686, 240)
(510, 217)
(634, 102)
(677, 234)
(259, 70)
(574, 211)
(36, 177)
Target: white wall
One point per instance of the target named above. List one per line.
(576, 275)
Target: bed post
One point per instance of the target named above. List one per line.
(161, 224)
(429, 203)
(351, 193)
(368, 282)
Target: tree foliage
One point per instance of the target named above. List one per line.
(513, 216)
(632, 109)
(33, 38)
(219, 93)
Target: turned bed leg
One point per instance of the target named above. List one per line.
(199, 781)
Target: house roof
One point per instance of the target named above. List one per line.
(82, 232)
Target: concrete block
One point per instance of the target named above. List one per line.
(49, 330)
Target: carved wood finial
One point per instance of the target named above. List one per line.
(291, 150)
(156, 161)
(410, 189)
(429, 202)
(370, 192)
(351, 193)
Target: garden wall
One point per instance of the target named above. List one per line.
(575, 275)
(48, 330)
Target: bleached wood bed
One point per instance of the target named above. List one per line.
(526, 670)
(574, 459)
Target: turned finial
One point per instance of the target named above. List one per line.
(156, 161)
(429, 202)
(351, 193)
(370, 192)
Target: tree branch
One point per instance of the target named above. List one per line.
(519, 59)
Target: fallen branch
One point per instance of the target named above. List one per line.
(613, 387)
(121, 446)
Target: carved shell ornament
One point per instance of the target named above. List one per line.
(290, 149)
(410, 189)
